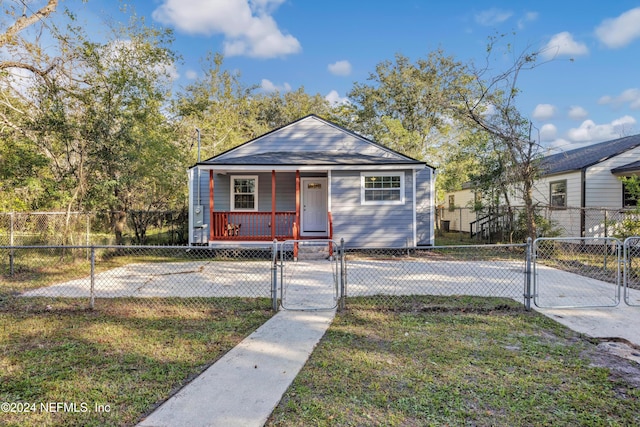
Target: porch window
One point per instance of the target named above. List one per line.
(382, 189)
(244, 193)
(558, 194)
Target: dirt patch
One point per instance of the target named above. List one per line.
(619, 357)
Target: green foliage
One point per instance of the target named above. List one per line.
(406, 105)
(630, 224)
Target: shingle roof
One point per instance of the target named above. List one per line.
(326, 158)
(630, 167)
(311, 140)
(584, 157)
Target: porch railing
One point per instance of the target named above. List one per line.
(252, 225)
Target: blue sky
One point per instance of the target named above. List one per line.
(587, 92)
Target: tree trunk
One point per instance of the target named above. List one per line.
(530, 208)
(118, 222)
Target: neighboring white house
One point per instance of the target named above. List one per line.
(577, 186)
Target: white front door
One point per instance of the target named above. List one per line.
(314, 207)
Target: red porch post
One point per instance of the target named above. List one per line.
(211, 205)
(296, 228)
(297, 234)
(273, 205)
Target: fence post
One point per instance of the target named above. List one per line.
(527, 274)
(343, 276)
(274, 276)
(11, 253)
(92, 297)
(88, 233)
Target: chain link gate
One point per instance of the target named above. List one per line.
(310, 274)
(632, 271)
(577, 272)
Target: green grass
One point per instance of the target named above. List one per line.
(457, 362)
(126, 355)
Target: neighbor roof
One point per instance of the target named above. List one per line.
(582, 158)
(630, 167)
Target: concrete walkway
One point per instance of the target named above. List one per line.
(243, 387)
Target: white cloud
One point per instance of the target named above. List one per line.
(590, 132)
(544, 112)
(528, 17)
(340, 68)
(492, 16)
(628, 96)
(268, 86)
(548, 132)
(563, 44)
(191, 75)
(577, 113)
(619, 32)
(334, 98)
(247, 25)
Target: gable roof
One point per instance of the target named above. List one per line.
(310, 141)
(581, 158)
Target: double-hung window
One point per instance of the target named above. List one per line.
(558, 194)
(382, 189)
(244, 193)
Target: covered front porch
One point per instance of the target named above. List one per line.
(259, 205)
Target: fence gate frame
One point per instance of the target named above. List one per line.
(627, 262)
(280, 260)
(620, 270)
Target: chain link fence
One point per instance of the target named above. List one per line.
(507, 224)
(577, 272)
(484, 270)
(93, 228)
(553, 272)
(146, 275)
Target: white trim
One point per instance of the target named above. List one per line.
(304, 168)
(400, 174)
(191, 190)
(231, 193)
(326, 192)
(329, 190)
(415, 218)
(432, 225)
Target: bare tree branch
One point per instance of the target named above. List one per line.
(26, 21)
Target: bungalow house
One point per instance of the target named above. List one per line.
(577, 186)
(312, 179)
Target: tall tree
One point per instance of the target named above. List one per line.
(101, 121)
(405, 105)
(489, 102)
(218, 105)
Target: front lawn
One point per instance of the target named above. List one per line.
(64, 365)
(457, 361)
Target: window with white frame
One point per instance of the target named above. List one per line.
(244, 193)
(382, 189)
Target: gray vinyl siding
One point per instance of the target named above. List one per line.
(424, 204)
(311, 134)
(369, 225)
(603, 189)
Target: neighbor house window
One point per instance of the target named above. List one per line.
(558, 194)
(244, 193)
(629, 198)
(452, 202)
(382, 189)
